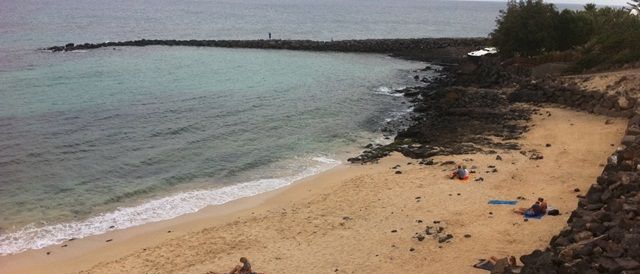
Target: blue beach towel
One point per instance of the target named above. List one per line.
(502, 202)
(528, 215)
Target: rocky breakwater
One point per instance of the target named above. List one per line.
(603, 233)
(364, 45)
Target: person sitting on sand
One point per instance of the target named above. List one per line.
(245, 268)
(534, 211)
(461, 173)
(543, 205)
(494, 263)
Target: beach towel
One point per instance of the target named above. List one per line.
(531, 215)
(502, 202)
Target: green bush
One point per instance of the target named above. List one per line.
(523, 28)
(602, 36)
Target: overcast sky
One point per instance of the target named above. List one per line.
(598, 2)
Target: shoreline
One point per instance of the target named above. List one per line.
(136, 237)
(93, 251)
(391, 125)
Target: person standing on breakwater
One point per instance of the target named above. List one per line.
(269, 35)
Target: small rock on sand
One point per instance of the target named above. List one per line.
(398, 172)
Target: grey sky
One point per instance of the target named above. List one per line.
(598, 2)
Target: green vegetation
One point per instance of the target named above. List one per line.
(598, 37)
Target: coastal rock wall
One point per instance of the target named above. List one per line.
(598, 102)
(603, 233)
(365, 45)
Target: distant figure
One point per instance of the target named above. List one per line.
(269, 35)
(461, 173)
(245, 268)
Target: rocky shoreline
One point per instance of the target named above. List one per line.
(478, 110)
(603, 233)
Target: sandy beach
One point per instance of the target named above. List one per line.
(363, 218)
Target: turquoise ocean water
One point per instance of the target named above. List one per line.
(91, 140)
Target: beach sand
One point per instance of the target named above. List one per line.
(363, 218)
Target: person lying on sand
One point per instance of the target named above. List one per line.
(245, 268)
(461, 173)
(500, 265)
(534, 210)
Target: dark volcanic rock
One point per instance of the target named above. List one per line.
(603, 233)
(416, 48)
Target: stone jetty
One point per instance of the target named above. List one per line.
(364, 45)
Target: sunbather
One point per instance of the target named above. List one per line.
(543, 205)
(495, 263)
(245, 268)
(534, 210)
(461, 173)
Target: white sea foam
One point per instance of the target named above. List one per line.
(387, 91)
(32, 237)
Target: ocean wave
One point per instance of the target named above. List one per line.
(387, 91)
(33, 237)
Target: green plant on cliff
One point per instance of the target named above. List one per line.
(601, 37)
(616, 39)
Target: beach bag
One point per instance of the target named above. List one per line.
(553, 212)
